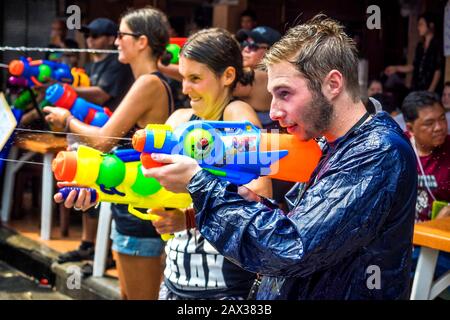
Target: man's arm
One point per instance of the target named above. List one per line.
(435, 80)
(338, 215)
(93, 94)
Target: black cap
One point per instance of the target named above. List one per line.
(261, 34)
(101, 26)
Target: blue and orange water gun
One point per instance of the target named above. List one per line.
(115, 177)
(37, 72)
(64, 96)
(234, 151)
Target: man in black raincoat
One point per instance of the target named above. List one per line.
(349, 232)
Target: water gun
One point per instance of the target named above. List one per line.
(234, 151)
(17, 112)
(174, 48)
(17, 83)
(37, 72)
(64, 96)
(115, 177)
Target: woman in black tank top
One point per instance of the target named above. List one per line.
(137, 247)
(211, 65)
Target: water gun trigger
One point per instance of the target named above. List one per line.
(148, 216)
(148, 162)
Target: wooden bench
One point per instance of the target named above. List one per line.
(433, 236)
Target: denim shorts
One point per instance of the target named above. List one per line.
(134, 246)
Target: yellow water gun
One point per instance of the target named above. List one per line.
(115, 177)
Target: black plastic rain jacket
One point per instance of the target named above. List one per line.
(348, 236)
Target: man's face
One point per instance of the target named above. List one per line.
(422, 27)
(446, 98)
(95, 41)
(430, 128)
(374, 88)
(247, 23)
(305, 114)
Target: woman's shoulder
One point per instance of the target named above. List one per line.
(239, 110)
(236, 106)
(149, 81)
(179, 116)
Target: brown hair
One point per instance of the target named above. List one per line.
(315, 48)
(151, 23)
(218, 50)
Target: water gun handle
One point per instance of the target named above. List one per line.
(148, 216)
(66, 190)
(94, 198)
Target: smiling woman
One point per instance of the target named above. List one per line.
(211, 65)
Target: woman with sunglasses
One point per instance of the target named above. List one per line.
(137, 247)
(254, 46)
(210, 66)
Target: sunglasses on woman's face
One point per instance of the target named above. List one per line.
(120, 34)
(253, 46)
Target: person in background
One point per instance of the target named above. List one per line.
(110, 79)
(428, 59)
(427, 127)
(58, 34)
(248, 20)
(428, 131)
(375, 86)
(254, 44)
(446, 101)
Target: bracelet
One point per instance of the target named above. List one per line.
(67, 126)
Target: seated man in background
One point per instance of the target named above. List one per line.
(427, 126)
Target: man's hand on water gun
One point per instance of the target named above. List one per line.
(248, 194)
(80, 202)
(56, 116)
(169, 221)
(175, 174)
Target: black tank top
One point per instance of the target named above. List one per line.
(195, 270)
(126, 223)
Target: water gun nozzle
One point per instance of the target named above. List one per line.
(64, 166)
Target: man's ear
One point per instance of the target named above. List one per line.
(409, 127)
(333, 84)
(229, 75)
